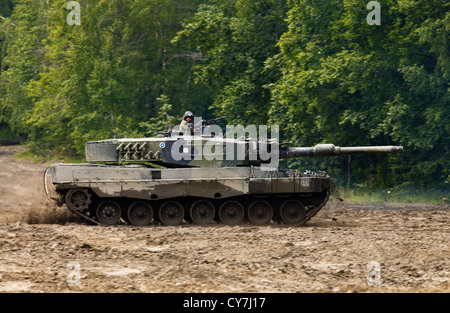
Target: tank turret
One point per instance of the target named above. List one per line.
(208, 150)
(198, 175)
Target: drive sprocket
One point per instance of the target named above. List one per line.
(78, 199)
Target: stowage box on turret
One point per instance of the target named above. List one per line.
(196, 177)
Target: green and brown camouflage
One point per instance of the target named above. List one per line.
(199, 151)
(198, 177)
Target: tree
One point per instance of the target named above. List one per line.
(351, 83)
(6, 8)
(163, 121)
(22, 58)
(107, 73)
(235, 38)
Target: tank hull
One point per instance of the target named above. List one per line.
(249, 193)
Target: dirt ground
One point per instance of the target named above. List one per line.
(345, 248)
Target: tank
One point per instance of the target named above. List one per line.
(195, 176)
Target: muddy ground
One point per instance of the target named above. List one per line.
(345, 248)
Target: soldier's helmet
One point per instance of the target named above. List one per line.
(188, 114)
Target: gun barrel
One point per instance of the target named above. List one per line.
(209, 122)
(332, 150)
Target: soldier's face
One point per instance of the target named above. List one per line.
(188, 119)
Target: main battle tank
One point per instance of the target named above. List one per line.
(196, 176)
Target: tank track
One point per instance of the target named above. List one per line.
(288, 209)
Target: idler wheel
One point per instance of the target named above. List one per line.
(202, 212)
(231, 213)
(171, 213)
(260, 212)
(140, 213)
(292, 212)
(108, 212)
(78, 199)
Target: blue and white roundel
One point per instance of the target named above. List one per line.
(162, 145)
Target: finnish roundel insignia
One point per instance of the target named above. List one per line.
(162, 145)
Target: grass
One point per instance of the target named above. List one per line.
(396, 195)
(26, 154)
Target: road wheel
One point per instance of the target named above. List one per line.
(171, 213)
(202, 212)
(108, 212)
(260, 213)
(231, 213)
(292, 212)
(140, 213)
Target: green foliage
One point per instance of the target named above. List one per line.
(22, 56)
(350, 83)
(163, 121)
(314, 67)
(235, 37)
(67, 84)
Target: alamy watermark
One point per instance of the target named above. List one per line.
(74, 276)
(238, 143)
(374, 276)
(74, 17)
(374, 16)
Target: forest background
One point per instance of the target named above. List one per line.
(316, 68)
